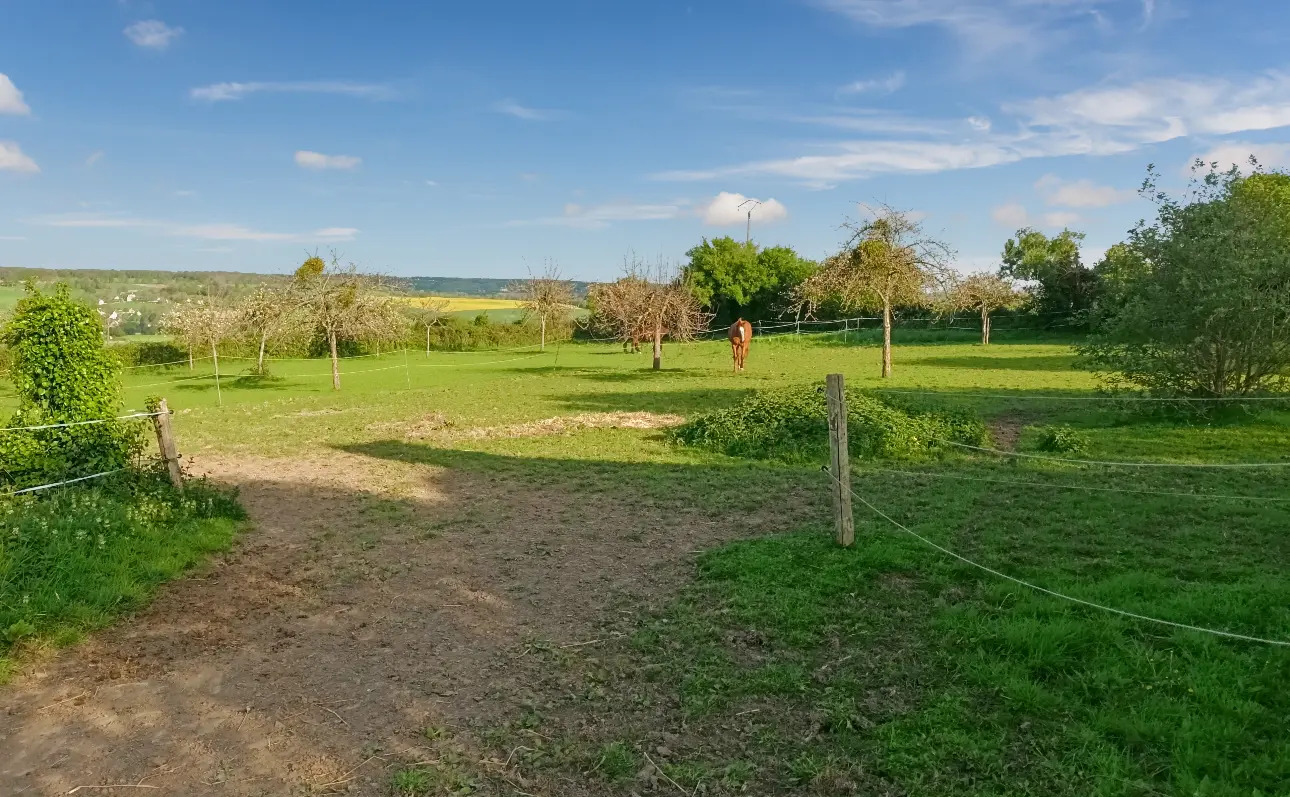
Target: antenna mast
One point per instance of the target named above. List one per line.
(753, 205)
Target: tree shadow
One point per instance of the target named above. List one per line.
(982, 362)
(675, 402)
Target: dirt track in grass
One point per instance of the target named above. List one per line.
(369, 600)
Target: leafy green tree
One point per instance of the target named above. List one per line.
(733, 278)
(1117, 271)
(62, 373)
(1208, 314)
(1065, 286)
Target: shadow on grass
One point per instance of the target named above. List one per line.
(1039, 362)
(672, 402)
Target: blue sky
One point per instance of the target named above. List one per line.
(487, 138)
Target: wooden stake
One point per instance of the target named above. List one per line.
(166, 444)
(840, 461)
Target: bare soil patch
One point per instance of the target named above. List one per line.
(370, 601)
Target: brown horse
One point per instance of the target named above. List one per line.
(740, 337)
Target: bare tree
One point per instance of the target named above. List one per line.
(268, 313)
(344, 304)
(547, 297)
(426, 312)
(182, 325)
(648, 303)
(985, 293)
(886, 262)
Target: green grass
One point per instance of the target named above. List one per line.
(793, 665)
(75, 559)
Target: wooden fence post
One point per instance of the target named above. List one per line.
(166, 444)
(840, 461)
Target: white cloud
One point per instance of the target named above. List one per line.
(205, 232)
(1236, 153)
(431, 183)
(1060, 218)
(152, 34)
(223, 92)
(883, 85)
(981, 124)
(513, 108)
(13, 159)
(723, 210)
(316, 160)
(185, 193)
(983, 27)
(1103, 120)
(1011, 215)
(595, 217)
(1082, 193)
(94, 157)
(13, 237)
(11, 100)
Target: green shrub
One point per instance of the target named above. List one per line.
(1063, 440)
(62, 373)
(793, 424)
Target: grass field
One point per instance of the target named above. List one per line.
(783, 664)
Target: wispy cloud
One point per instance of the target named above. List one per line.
(594, 217)
(1082, 193)
(94, 157)
(1102, 120)
(512, 108)
(206, 231)
(724, 210)
(983, 27)
(306, 159)
(1237, 153)
(1012, 215)
(11, 101)
(152, 34)
(883, 85)
(13, 159)
(13, 237)
(225, 92)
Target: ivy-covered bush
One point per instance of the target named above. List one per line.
(1062, 440)
(793, 424)
(62, 373)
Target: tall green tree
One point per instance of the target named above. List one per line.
(1208, 313)
(1064, 287)
(736, 279)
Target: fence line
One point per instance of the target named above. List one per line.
(1074, 398)
(172, 362)
(60, 484)
(80, 423)
(1112, 463)
(1054, 593)
(1171, 493)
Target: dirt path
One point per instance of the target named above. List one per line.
(372, 599)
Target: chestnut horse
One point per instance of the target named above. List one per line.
(740, 336)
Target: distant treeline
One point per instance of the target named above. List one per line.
(478, 286)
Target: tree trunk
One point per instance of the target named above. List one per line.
(985, 327)
(542, 347)
(190, 358)
(427, 340)
(264, 336)
(335, 361)
(219, 396)
(886, 340)
(658, 348)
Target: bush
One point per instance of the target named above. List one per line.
(793, 424)
(62, 373)
(1063, 440)
(147, 353)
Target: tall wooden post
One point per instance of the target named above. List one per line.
(166, 444)
(840, 461)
